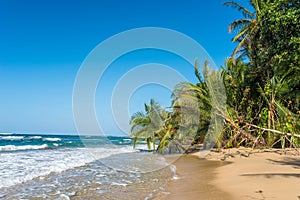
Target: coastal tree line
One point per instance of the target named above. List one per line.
(262, 83)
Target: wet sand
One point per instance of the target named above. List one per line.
(194, 181)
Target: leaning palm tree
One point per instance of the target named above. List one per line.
(202, 105)
(144, 125)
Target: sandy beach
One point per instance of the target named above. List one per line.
(237, 174)
(260, 174)
(194, 180)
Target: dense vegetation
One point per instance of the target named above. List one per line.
(262, 84)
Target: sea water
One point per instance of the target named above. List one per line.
(73, 167)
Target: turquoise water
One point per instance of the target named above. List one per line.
(13, 142)
(73, 167)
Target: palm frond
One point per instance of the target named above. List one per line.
(238, 24)
(136, 115)
(241, 35)
(196, 70)
(238, 47)
(245, 12)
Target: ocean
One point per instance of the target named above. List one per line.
(72, 167)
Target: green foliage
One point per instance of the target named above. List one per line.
(265, 91)
(145, 125)
(263, 94)
(280, 46)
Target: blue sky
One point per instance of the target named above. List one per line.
(43, 43)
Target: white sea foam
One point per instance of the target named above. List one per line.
(64, 197)
(173, 169)
(35, 137)
(21, 166)
(24, 147)
(119, 184)
(52, 139)
(6, 133)
(11, 137)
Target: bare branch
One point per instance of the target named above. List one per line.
(275, 131)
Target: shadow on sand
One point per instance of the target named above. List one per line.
(270, 175)
(288, 161)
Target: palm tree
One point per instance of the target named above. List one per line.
(198, 101)
(247, 28)
(144, 125)
(275, 79)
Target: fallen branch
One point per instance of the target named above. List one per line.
(275, 131)
(239, 129)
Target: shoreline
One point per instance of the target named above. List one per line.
(238, 173)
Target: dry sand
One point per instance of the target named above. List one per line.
(251, 174)
(260, 174)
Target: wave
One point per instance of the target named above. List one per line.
(52, 139)
(11, 137)
(6, 133)
(35, 137)
(24, 147)
(24, 166)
